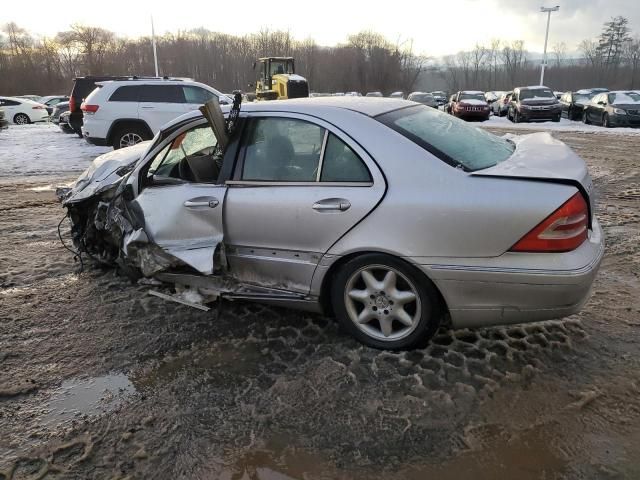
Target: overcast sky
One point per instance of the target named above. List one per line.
(436, 27)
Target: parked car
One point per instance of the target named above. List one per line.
(353, 94)
(51, 101)
(469, 104)
(440, 96)
(58, 110)
(447, 106)
(63, 122)
(536, 103)
(501, 106)
(492, 96)
(424, 98)
(82, 87)
(22, 111)
(4, 123)
(374, 94)
(613, 109)
(33, 98)
(399, 95)
(573, 103)
(188, 213)
(122, 113)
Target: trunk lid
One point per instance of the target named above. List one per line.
(539, 156)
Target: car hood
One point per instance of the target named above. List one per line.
(539, 101)
(540, 156)
(105, 171)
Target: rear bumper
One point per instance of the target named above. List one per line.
(517, 287)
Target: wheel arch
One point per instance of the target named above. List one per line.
(324, 298)
(21, 113)
(117, 124)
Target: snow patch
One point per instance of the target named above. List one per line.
(44, 150)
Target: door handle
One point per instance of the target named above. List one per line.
(332, 204)
(147, 107)
(202, 202)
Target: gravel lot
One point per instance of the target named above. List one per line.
(100, 380)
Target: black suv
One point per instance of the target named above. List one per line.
(82, 87)
(534, 103)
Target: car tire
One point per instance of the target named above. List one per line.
(585, 118)
(21, 119)
(402, 306)
(129, 135)
(556, 118)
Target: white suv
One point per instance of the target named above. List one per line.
(122, 113)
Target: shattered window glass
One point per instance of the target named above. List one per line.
(448, 138)
(198, 142)
(282, 149)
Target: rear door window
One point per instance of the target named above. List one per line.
(341, 164)
(162, 94)
(126, 93)
(452, 140)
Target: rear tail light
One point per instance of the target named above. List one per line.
(562, 231)
(89, 108)
(37, 107)
(72, 104)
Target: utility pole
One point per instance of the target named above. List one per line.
(548, 11)
(153, 41)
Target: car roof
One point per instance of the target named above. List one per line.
(19, 99)
(317, 106)
(472, 91)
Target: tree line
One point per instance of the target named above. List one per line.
(611, 60)
(365, 62)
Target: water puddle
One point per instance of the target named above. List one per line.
(87, 396)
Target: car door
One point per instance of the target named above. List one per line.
(299, 185)
(593, 109)
(160, 104)
(180, 198)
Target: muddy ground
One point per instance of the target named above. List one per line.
(100, 380)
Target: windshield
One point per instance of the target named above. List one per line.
(624, 98)
(471, 96)
(578, 97)
(448, 138)
(537, 93)
(281, 66)
(423, 97)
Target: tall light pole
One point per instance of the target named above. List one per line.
(548, 11)
(153, 41)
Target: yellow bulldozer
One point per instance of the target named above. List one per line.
(277, 79)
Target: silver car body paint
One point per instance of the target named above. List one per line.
(455, 226)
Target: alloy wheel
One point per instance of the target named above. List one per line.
(21, 119)
(129, 139)
(382, 302)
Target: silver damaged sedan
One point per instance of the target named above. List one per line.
(387, 214)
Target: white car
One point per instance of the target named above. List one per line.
(122, 113)
(22, 111)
